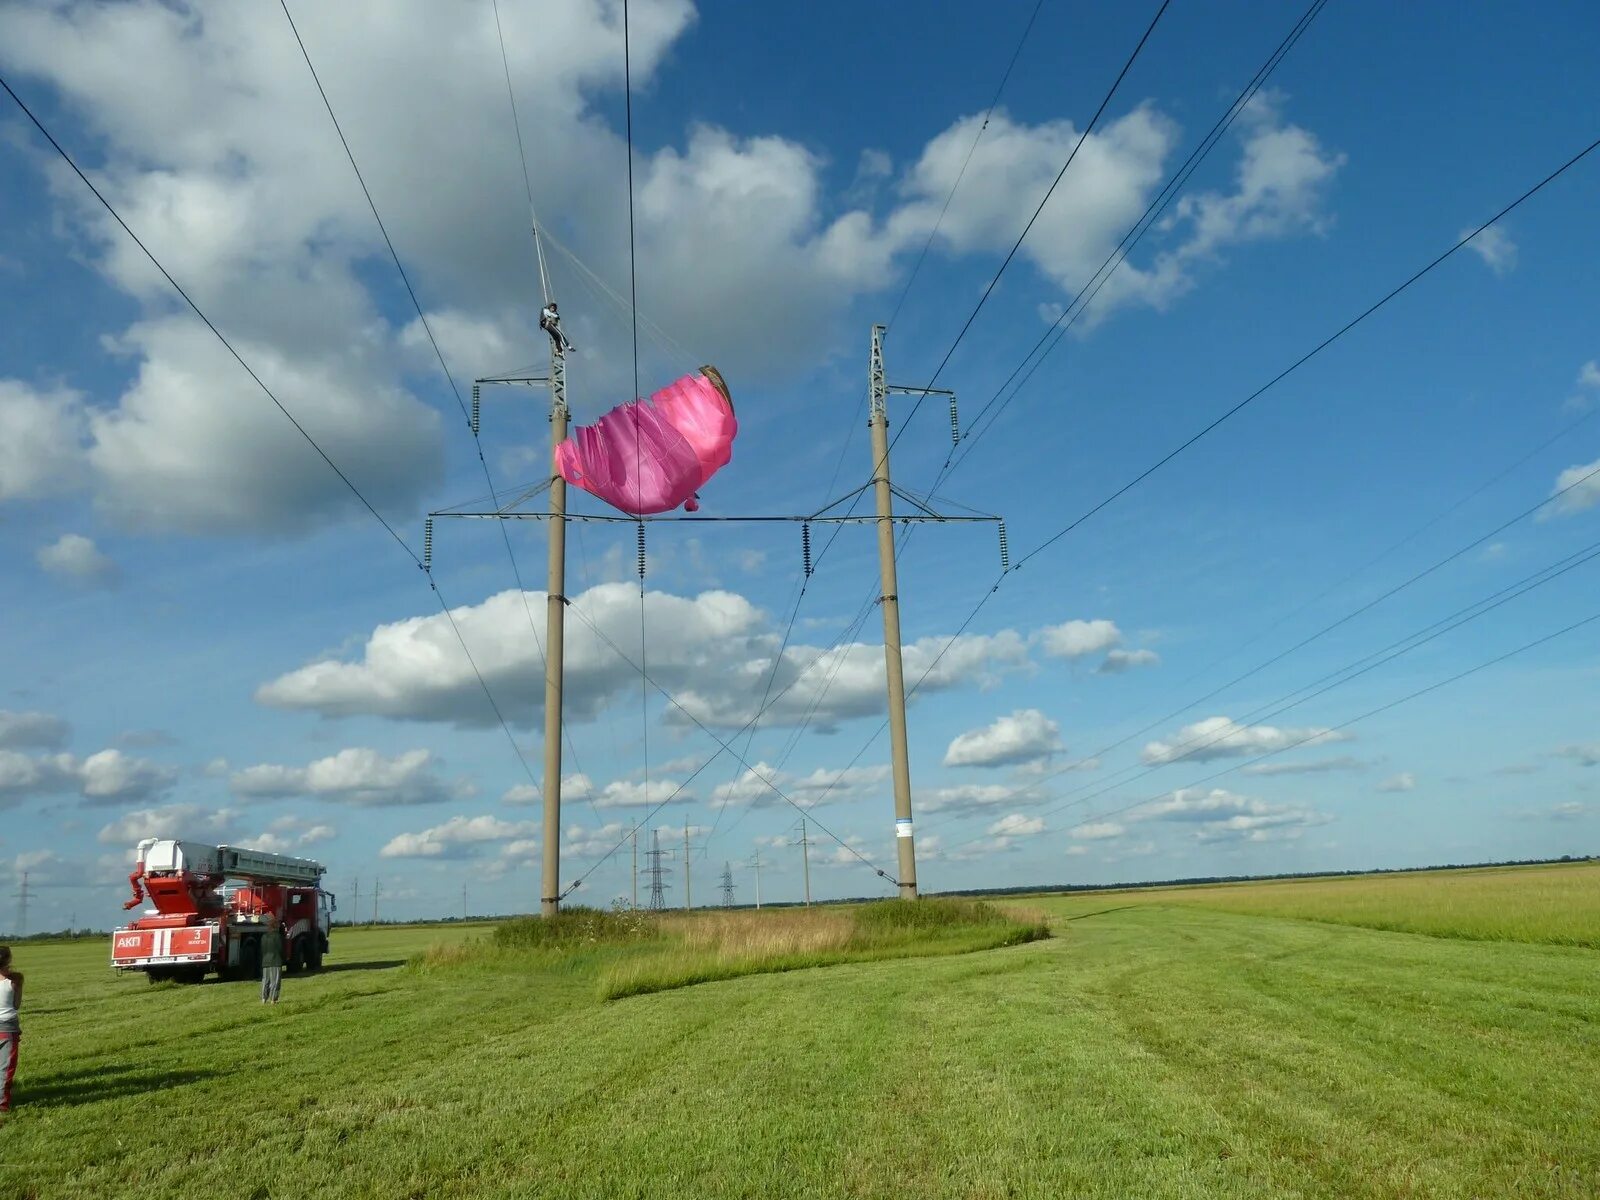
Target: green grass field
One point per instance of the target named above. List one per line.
(1155, 1046)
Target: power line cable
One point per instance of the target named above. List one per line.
(1382, 708)
(1194, 746)
(1308, 355)
(444, 368)
(312, 442)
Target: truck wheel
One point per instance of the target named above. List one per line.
(190, 975)
(156, 976)
(314, 957)
(250, 958)
(297, 959)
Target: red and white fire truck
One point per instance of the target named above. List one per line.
(210, 907)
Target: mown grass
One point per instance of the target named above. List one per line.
(1551, 904)
(1160, 1051)
(633, 953)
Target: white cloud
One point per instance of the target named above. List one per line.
(1584, 482)
(1097, 831)
(1025, 735)
(1118, 661)
(522, 793)
(1589, 374)
(755, 786)
(1016, 825)
(1495, 247)
(1220, 815)
(41, 436)
(712, 651)
(459, 837)
(1078, 639)
(966, 798)
(356, 775)
(1313, 766)
(1221, 737)
(191, 822)
(628, 793)
(32, 729)
(75, 557)
(104, 778)
(1405, 781)
(1586, 754)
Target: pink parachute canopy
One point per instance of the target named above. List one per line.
(648, 456)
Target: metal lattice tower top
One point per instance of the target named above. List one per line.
(658, 883)
(727, 885)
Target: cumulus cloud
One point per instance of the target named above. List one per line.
(1495, 247)
(1221, 737)
(1078, 639)
(1118, 661)
(459, 837)
(1585, 753)
(1096, 831)
(759, 786)
(629, 793)
(41, 435)
(76, 558)
(713, 651)
(356, 775)
(1024, 735)
(105, 778)
(21, 729)
(1578, 488)
(967, 798)
(1312, 766)
(1405, 781)
(193, 822)
(1219, 815)
(1016, 825)
(522, 793)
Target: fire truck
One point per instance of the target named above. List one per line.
(211, 906)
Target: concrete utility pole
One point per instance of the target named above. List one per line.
(635, 840)
(555, 620)
(355, 900)
(377, 889)
(757, 865)
(688, 901)
(463, 902)
(878, 423)
(805, 857)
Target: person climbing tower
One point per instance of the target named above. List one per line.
(550, 322)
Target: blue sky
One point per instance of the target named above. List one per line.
(205, 637)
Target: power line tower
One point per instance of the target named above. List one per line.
(377, 888)
(355, 900)
(22, 907)
(805, 856)
(658, 884)
(688, 896)
(727, 885)
(756, 863)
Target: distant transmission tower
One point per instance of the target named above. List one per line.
(727, 885)
(22, 907)
(658, 884)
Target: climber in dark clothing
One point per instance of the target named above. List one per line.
(550, 322)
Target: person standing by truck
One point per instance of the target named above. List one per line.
(271, 964)
(10, 1026)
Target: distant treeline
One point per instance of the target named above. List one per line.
(1032, 889)
(1195, 880)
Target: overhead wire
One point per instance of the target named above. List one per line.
(1307, 740)
(278, 404)
(516, 569)
(1196, 744)
(1279, 377)
(994, 281)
